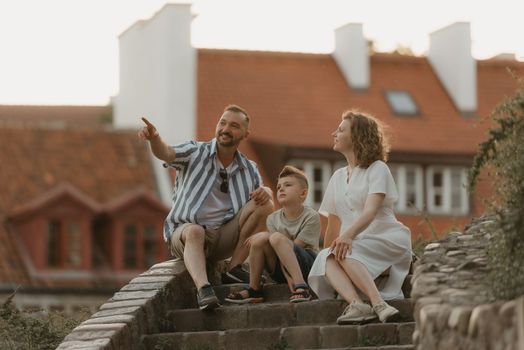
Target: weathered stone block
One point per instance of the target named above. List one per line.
(100, 344)
(405, 333)
(131, 310)
(269, 315)
(301, 337)
(143, 286)
(200, 340)
(384, 334)
(318, 311)
(127, 319)
(151, 279)
(459, 319)
(124, 303)
(134, 295)
(242, 339)
(338, 336)
(478, 314)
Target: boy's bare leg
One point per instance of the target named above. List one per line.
(339, 280)
(283, 246)
(252, 220)
(194, 257)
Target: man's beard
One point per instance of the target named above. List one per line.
(231, 143)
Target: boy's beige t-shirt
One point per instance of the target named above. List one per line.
(306, 227)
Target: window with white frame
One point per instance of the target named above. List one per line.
(318, 173)
(409, 181)
(446, 190)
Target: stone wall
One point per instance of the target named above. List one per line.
(134, 310)
(453, 309)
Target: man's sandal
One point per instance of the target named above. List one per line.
(246, 296)
(300, 293)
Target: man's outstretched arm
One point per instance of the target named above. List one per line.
(160, 149)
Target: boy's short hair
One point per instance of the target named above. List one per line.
(298, 174)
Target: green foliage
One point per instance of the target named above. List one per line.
(20, 330)
(502, 154)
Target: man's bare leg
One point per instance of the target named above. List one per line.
(194, 257)
(252, 220)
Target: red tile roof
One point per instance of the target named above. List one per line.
(94, 165)
(101, 164)
(297, 99)
(55, 116)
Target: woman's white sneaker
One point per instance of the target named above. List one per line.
(386, 312)
(357, 312)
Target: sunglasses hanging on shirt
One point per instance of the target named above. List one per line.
(224, 186)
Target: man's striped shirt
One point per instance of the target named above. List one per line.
(196, 172)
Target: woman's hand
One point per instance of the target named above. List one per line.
(341, 246)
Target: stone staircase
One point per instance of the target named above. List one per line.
(278, 324)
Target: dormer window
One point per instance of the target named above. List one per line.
(401, 102)
(64, 244)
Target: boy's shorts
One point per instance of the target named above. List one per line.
(305, 258)
(219, 243)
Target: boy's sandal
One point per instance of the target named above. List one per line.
(300, 293)
(245, 296)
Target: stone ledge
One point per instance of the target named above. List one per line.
(133, 311)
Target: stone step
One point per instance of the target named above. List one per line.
(284, 314)
(384, 347)
(369, 336)
(274, 292)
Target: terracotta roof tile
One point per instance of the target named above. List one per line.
(297, 99)
(101, 164)
(55, 116)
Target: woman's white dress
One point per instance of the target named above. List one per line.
(385, 243)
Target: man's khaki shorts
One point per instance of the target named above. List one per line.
(219, 243)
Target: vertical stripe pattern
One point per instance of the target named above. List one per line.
(196, 173)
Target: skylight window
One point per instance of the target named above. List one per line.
(401, 102)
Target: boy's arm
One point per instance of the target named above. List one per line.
(159, 148)
(310, 232)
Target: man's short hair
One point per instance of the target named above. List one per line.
(237, 109)
(298, 174)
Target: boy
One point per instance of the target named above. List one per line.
(289, 248)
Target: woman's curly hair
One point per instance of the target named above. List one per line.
(368, 137)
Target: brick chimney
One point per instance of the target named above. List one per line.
(352, 56)
(158, 80)
(451, 58)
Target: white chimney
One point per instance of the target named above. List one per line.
(351, 55)
(450, 56)
(158, 80)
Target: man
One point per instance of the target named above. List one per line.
(218, 200)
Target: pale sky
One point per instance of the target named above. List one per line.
(66, 51)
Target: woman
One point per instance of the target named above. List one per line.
(363, 238)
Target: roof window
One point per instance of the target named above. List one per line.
(401, 102)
